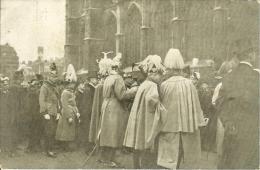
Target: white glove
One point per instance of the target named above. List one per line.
(78, 115)
(58, 116)
(70, 120)
(47, 117)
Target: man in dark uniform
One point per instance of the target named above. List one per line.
(84, 99)
(36, 121)
(49, 109)
(17, 109)
(239, 112)
(6, 123)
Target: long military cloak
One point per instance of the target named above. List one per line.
(114, 111)
(140, 122)
(96, 112)
(67, 131)
(183, 119)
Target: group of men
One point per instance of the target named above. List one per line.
(167, 114)
(30, 112)
(157, 111)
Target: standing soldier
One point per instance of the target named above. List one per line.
(145, 106)
(104, 65)
(49, 109)
(6, 120)
(34, 110)
(84, 99)
(66, 129)
(16, 100)
(114, 114)
(180, 135)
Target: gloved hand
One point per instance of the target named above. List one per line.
(205, 123)
(78, 115)
(58, 116)
(47, 117)
(70, 120)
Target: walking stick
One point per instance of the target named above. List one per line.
(93, 150)
(90, 155)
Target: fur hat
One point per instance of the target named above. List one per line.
(174, 59)
(53, 70)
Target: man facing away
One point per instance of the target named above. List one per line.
(179, 140)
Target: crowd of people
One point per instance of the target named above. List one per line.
(162, 109)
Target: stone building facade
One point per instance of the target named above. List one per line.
(136, 28)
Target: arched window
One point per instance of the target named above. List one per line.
(161, 24)
(132, 36)
(110, 31)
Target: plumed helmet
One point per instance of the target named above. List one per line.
(71, 74)
(152, 63)
(174, 59)
(105, 65)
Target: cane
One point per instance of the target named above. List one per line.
(93, 150)
(89, 156)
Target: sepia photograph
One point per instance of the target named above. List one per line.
(129, 84)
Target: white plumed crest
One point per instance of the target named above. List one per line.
(105, 64)
(152, 63)
(173, 59)
(106, 53)
(71, 74)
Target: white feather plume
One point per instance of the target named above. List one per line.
(105, 64)
(173, 59)
(152, 63)
(71, 74)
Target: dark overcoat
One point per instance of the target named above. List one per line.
(239, 113)
(84, 102)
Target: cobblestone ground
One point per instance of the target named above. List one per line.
(75, 160)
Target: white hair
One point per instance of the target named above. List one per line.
(174, 59)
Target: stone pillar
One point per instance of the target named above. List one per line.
(145, 30)
(93, 39)
(72, 44)
(119, 35)
(219, 32)
(178, 25)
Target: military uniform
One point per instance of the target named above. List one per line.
(84, 102)
(49, 104)
(35, 121)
